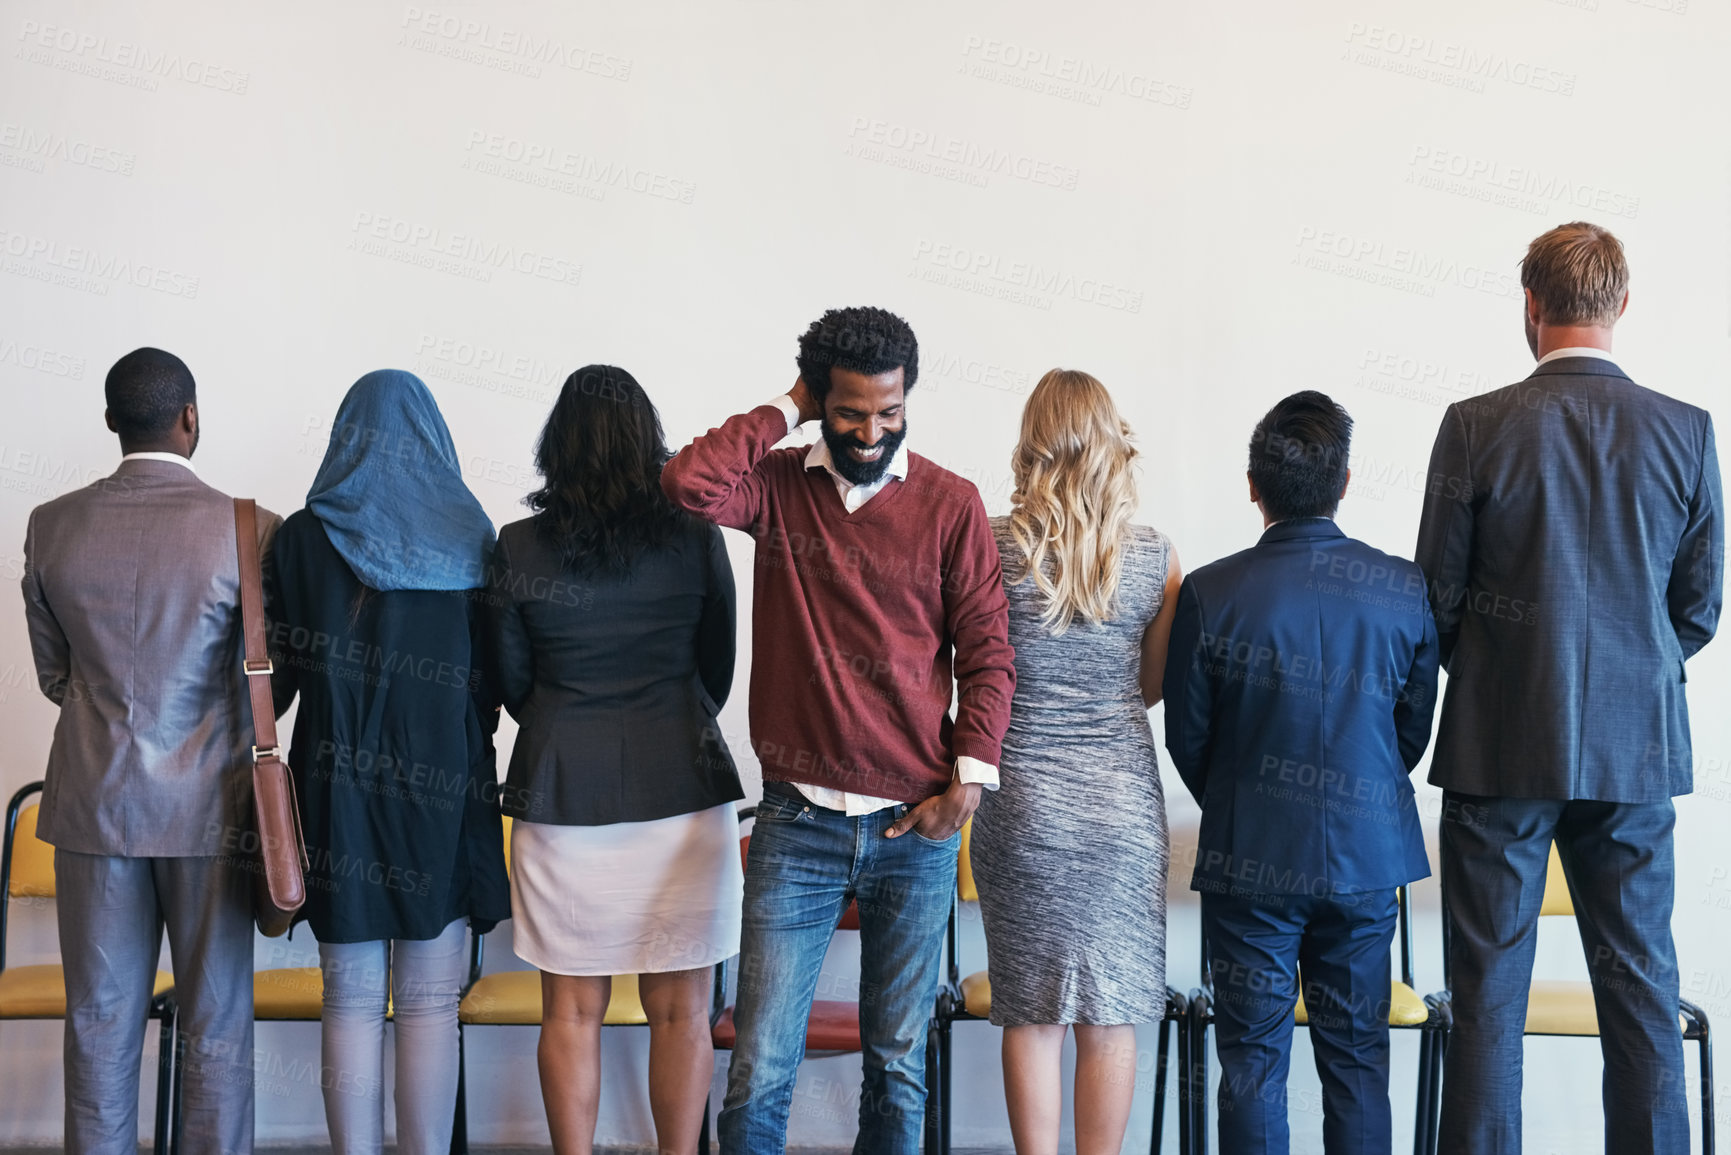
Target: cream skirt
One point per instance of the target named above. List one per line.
(629, 898)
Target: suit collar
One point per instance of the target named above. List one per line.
(137, 465)
(1300, 529)
(1580, 366)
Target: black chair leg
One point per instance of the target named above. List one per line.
(944, 1088)
(167, 1070)
(460, 1121)
(178, 1111)
(1160, 1054)
(1185, 1141)
(1199, 1075)
(1421, 1102)
(1706, 1040)
(934, 1120)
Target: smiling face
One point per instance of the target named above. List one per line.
(864, 422)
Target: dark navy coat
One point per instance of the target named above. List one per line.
(1300, 685)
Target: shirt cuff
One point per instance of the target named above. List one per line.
(789, 409)
(972, 770)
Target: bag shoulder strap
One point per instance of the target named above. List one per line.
(257, 663)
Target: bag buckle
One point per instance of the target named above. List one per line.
(256, 666)
(266, 752)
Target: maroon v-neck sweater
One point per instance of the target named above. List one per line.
(855, 617)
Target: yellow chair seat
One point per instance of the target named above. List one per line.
(977, 995)
(513, 998)
(1405, 1008)
(1566, 1008)
(293, 994)
(39, 992)
(1561, 1008)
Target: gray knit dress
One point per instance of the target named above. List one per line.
(1070, 852)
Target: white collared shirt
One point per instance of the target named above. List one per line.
(1576, 351)
(152, 455)
(854, 496)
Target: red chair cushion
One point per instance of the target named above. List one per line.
(833, 1028)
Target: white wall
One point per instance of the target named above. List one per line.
(1208, 206)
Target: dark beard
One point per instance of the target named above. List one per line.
(861, 472)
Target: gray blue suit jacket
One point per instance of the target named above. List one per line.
(1574, 540)
(132, 599)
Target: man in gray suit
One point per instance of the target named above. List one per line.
(1574, 542)
(132, 597)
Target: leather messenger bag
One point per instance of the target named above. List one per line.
(279, 876)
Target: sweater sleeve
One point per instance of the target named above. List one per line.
(977, 618)
(719, 476)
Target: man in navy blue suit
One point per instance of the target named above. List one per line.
(1300, 685)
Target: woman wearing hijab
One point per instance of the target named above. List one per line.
(613, 626)
(377, 624)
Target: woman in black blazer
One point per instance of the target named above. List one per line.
(612, 619)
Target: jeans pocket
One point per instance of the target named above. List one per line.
(954, 840)
(774, 808)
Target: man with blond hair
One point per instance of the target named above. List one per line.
(1574, 544)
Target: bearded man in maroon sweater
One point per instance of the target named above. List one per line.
(877, 594)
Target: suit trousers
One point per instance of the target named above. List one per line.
(1619, 862)
(1257, 944)
(112, 914)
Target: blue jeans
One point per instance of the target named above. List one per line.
(805, 863)
(1257, 945)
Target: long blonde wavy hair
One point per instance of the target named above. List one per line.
(1075, 493)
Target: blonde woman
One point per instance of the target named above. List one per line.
(1070, 854)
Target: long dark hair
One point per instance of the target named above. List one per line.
(600, 455)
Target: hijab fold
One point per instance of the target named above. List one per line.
(390, 491)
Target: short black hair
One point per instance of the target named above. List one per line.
(146, 391)
(1299, 456)
(865, 340)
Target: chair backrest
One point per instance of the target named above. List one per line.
(965, 888)
(1557, 897)
(32, 874)
(26, 862)
(507, 846)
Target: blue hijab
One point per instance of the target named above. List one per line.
(390, 491)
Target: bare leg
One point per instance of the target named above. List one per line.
(681, 1055)
(569, 1055)
(1033, 1064)
(1105, 1086)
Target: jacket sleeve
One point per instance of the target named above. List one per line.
(48, 644)
(716, 629)
(719, 476)
(510, 661)
(1415, 705)
(1189, 694)
(1698, 571)
(977, 619)
(1445, 531)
